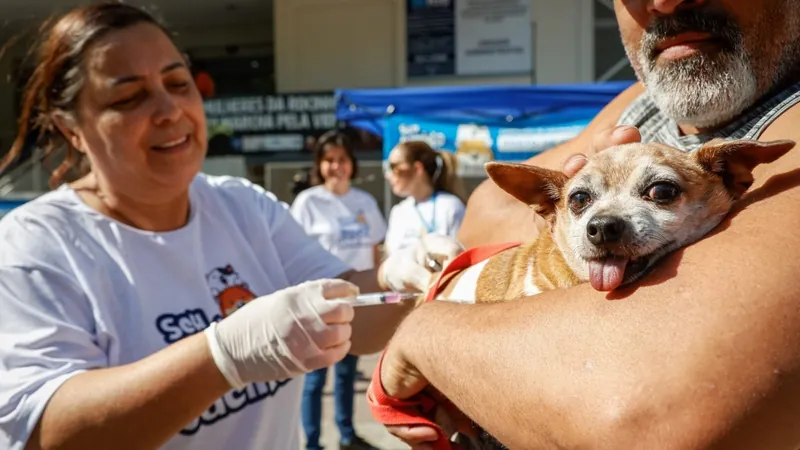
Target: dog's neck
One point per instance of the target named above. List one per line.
(529, 269)
(548, 268)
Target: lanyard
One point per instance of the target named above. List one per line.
(429, 226)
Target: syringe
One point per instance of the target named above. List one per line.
(383, 298)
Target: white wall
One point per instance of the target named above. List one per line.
(327, 44)
(564, 41)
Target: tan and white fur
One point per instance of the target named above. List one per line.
(609, 224)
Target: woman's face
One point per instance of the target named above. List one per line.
(140, 118)
(336, 167)
(401, 174)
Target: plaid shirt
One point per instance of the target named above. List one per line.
(656, 126)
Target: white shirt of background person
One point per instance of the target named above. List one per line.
(432, 193)
(348, 225)
(345, 220)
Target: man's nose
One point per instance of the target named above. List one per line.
(667, 7)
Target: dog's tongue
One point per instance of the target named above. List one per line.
(607, 274)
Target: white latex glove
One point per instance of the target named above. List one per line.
(408, 269)
(284, 334)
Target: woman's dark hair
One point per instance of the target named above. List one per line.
(440, 166)
(332, 138)
(58, 78)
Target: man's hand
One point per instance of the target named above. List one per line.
(602, 140)
(400, 379)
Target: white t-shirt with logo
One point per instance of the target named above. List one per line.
(441, 214)
(349, 225)
(80, 291)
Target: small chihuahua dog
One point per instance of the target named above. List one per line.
(608, 225)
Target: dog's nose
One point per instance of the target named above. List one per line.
(605, 230)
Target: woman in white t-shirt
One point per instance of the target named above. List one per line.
(348, 223)
(434, 200)
(144, 304)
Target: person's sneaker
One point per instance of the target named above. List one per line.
(357, 444)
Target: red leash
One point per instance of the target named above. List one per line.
(419, 410)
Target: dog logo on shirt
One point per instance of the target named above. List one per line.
(228, 288)
(353, 231)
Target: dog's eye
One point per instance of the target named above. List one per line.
(579, 201)
(663, 192)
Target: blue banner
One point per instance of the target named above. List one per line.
(477, 143)
(7, 205)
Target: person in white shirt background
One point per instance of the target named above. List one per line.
(147, 305)
(348, 223)
(433, 196)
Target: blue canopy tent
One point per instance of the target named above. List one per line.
(478, 123)
(7, 204)
(518, 105)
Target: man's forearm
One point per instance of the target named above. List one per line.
(501, 373)
(136, 406)
(682, 361)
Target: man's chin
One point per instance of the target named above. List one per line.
(702, 91)
(697, 109)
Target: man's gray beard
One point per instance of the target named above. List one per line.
(701, 91)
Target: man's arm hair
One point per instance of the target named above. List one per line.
(702, 353)
(494, 216)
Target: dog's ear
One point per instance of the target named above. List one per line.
(735, 160)
(536, 187)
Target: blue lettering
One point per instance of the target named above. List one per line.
(215, 412)
(234, 401)
(175, 327)
(353, 234)
(186, 326)
(166, 325)
(199, 320)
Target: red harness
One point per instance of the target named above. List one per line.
(420, 408)
(465, 260)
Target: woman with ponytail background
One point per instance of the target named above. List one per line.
(433, 196)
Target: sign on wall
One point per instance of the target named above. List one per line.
(431, 38)
(469, 37)
(268, 123)
(493, 37)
